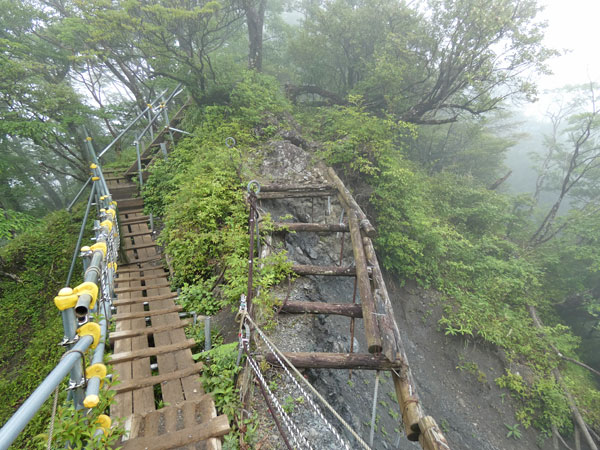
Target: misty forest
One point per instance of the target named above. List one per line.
(487, 217)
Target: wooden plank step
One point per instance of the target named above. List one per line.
(126, 334)
(323, 360)
(293, 194)
(136, 233)
(121, 269)
(341, 309)
(143, 260)
(153, 298)
(141, 288)
(134, 220)
(142, 314)
(140, 246)
(313, 227)
(149, 277)
(151, 351)
(216, 427)
(343, 271)
(131, 211)
(130, 385)
(130, 203)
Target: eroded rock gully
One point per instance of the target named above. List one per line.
(468, 406)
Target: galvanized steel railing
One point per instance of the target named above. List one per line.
(86, 309)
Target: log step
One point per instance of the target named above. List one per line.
(215, 427)
(141, 288)
(134, 300)
(151, 351)
(126, 334)
(344, 271)
(130, 385)
(293, 194)
(296, 187)
(142, 314)
(323, 360)
(313, 227)
(340, 309)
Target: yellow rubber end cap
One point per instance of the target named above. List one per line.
(85, 248)
(95, 178)
(65, 291)
(91, 401)
(104, 421)
(93, 166)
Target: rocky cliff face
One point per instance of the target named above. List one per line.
(455, 378)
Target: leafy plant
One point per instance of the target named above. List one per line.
(513, 431)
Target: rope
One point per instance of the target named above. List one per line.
(316, 393)
(374, 410)
(52, 419)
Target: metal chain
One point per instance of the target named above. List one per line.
(304, 393)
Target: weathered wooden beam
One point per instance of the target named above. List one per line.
(294, 194)
(311, 227)
(139, 383)
(295, 187)
(140, 246)
(340, 309)
(372, 331)
(321, 360)
(347, 198)
(141, 288)
(134, 220)
(333, 271)
(136, 233)
(431, 437)
(142, 314)
(215, 427)
(152, 298)
(151, 351)
(125, 334)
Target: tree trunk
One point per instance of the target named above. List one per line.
(255, 17)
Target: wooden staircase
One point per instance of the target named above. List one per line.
(159, 394)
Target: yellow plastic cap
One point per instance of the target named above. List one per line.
(90, 329)
(96, 370)
(101, 246)
(65, 299)
(85, 248)
(104, 421)
(91, 401)
(88, 138)
(93, 166)
(90, 288)
(108, 224)
(95, 178)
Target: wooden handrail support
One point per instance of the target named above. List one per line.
(325, 360)
(340, 309)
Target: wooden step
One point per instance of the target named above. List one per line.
(136, 233)
(296, 187)
(140, 246)
(340, 309)
(312, 227)
(131, 211)
(131, 203)
(134, 220)
(151, 351)
(130, 385)
(215, 427)
(343, 271)
(150, 277)
(321, 360)
(152, 298)
(122, 268)
(142, 314)
(294, 194)
(141, 288)
(126, 334)
(144, 260)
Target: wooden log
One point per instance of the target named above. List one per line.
(140, 383)
(295, 187)
(332, 271)
(151, 351)
(142, 314)
(372, 331)
(216, 427)
(431, 438)
(311, 227)
(340, 309)
(294, 194)
(146, 331)
(409, 405)
(347, 198)
(323, 360)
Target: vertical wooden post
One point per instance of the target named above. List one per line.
(364, 287)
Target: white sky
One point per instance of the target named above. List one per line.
(572, 26)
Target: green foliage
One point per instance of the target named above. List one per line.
(513, 431)
(13, 222)
(218, 377)
(40, 257)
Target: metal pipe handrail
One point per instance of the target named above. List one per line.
(81, 231)
(18, 421)
(175, 93)
(79, 194)
(131, 124)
